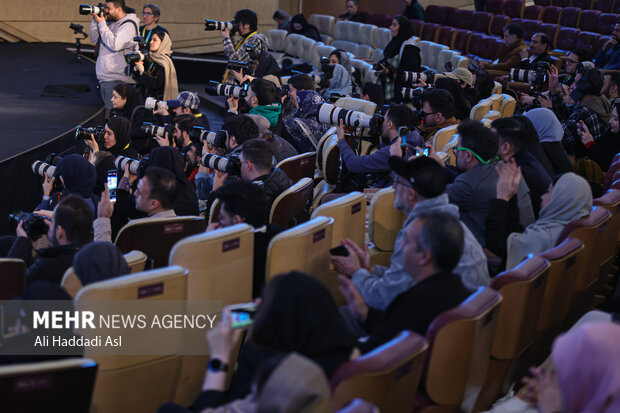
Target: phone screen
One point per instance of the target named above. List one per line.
(425, 152)
(112, 181)
(242, 316)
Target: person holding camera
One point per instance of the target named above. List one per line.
(69, 230)
(437, 112)
(114, 39)
(609, 55)
(263, 98)
(116, 139)
(186, 103)
(156, 75)
(303, 129)
(247, 23)
(150, 18)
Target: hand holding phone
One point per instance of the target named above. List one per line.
(242, 315)
(339, 251)
(112, 181)
(424, 152)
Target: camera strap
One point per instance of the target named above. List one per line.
(237, 47)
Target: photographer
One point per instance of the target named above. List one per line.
(116, 139)
(263, 99)
(156, 75)
(537, 51)
(183, 125)
(609, 55)
(247, 22)
(128, 103)
(571, 63)
(590, 107)
(437, 112)
(340, 57)
(114, 39)
(150, 18)
(303, 129)
(186, 102)
(240, 128)
(462, 105)
(69, 230)
(340, 82)
(465, 81)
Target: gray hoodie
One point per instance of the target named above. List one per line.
(380, 287)
(116, 42)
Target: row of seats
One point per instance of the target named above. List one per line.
(605, 6)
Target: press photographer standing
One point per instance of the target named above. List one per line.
(114, 39)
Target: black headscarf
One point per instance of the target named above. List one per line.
(99, 261)
(411, 12)
(267, 65)
(79, 176)
(120, 127)
(133, 98)
(170, 158)
(462, 107)
(532, 143)
(307, 29)
(405, 32)
(299, 314)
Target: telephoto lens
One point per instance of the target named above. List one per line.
(151, 129)
(219, 89)
(217, 139)
(43, 169)
(519, 75)
(86, 9)
(151, 103)
(414, 77)
(134, 57)
(231, 166)
(121, 163)
(331, 115)
(82, 132)
(212, 25)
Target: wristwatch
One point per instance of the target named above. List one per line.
(217, 365)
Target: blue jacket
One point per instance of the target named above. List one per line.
(608, 59)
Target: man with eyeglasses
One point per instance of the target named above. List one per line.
(609, 55)
(437, 112)
(476, 158)
(150, 18)
(510, 57)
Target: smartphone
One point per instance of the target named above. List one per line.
(242, 315)
(425, 152)
(339, 251)
(112, 180)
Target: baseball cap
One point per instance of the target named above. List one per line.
(423, 174)
(460, 73)
(185, 99)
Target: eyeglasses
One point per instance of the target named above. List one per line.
(147, 13)
(425, 114)
(457, 149)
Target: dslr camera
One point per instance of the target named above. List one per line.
(414, 94)
(217, 139)
(34, 224)
(428, 76)
(151, 103)
(535, 77)
(141, 54)
(212, 25)
(331, 115)
(383, 62)
(86, 9)
(44, 169)
(230, 165)
(237, 66)
(82, 132)
(151, 129)
(136, 167)
(219, 89)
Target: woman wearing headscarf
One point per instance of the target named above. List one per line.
(603, 150)
(297, 313)
(340, 57)
(550, 133)
(172, 159)
(568, 199)
(78, 177)
(99, 261)
(401, 53)
(116, 139)
(339, 83)
(156, 75)
(299, 25)
(532, 143)
(125, 98)
(303, 130)
(282, 19)
(414, 10)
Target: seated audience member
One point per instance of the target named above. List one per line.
(432, 247)
(186, 102)
(244, 201)
(340, 57)
(299, 25)
(374, 93)
(69, 230)
(125, 99)
(99, 261)
(78, 177)
(156, 75)
(531, 143)
(297, 313)
(607, 146)
(510, 57)
(465, 80)
(483, 84)
(608, 57)
(419, 187)
(550, 133)
(538, 51)
(116, 140)
(590, 107)
(183, 125)
(186, 202)
(257, 166)
(299, 82)
(401, 53)
(611, 86)
(155, 196)
(303, 130)
(263, 99)
(476, 154)
(571, 64)
(462, 106)
(281, 148)
(352, 14)
(511, 134)
(396, 117)
(282, 19)
(414, 10)
(437, 112)
(150, 19)
(240, 128)
(566, 200)
(340, 83)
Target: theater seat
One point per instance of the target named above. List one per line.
(379, 20)
(416, 26)
(61, 385)
(463, 19)
(388, 377)
(567, 38)
(480, 109)
(508, 106)
(551, 14)
(384, 223)
(497, 25)
(494, 6)
(441, 138)
(461, 40)
(299, 166)
(544, 3)
(349, 214)
(491, 115)
(561, 3)
(359, 406)
(429, 31)
(460, 342)
(319, 52)
(481, 22)
(156, 236)
(293, 44)
(444, 57)
(514, 8)
(381, 37)
(476, 47)
(324, 23)
(366, 34)
(530, 27)
(583, 4)
(289, 206)
(446, 35)
(13, 280)
(603, 5)
(616, 7)
(277, 39)
(551, 30)
(364, 69)
(570, 17)
(588, 40)
(341, 30)
(532, 12)
(354, 32)
(306, 49)
(606, 23)
(433, 56)
(601, 41)
(589, 20)
(435, 14)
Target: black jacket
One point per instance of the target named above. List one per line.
(152, 82)
(557, 156)
(274, 184)
(527, 65)
(535, 175)
(415, 309)
(282, 149)
(603, 150)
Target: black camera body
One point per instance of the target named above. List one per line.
(82, 132)
(34, 225)
(230, 165)
(237, 66)
(414, 94)
(383, 62)
(86, 9)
